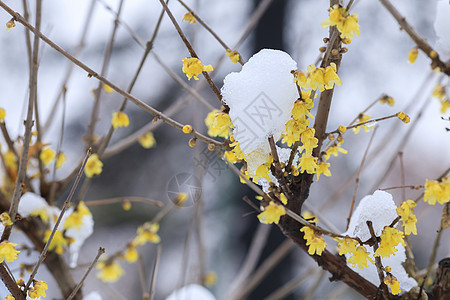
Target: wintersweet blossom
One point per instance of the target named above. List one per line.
(131, 254)
(120, 119)
(193, 66)
(308, 163)
(58, 243)
(271, 213)
(314, 240)
(360, 258)
(94, 166)
(294, 128)
(361, 119)
(148, 232)
(218, 123)
(10, 24)
(9, 297)
(75, 219)
(393, 283)
(189, 17)
(346, 245)
(2, 114)
(323, 168)
(302, 109)
(330, 77)
(107, 88)
(437, 191)
(387, 99)
(334, 150)
(147, 140)
(38, 289)
(309, 216)
(309, 141)
(8, 251)
(47, 156)
(345, 23)
(210, 279)
(5, 219)
(233, 55)
(109, 271)
(412, 55)
(439, 92)
(390, 237)
(406, 212)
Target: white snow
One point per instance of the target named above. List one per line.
(191, 292)
(381, 210)
(261, 97)
(92, 296)
(442, 27)
(79, 236)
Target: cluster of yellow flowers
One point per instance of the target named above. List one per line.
(390, 238)
(314, 240)
(346, 24)
(58, 243)
(35, 291)
(409, 220)
(437, 191)
(109, 271)
(318, 78)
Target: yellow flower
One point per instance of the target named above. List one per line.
(412, 55)
(404, 117)
(10, 24)
(283, 199)
(393, 283)
(271, 213)
(189, 17)
(147, 140)
(262, 171)
(334, 150)
(445, 105)
(126, 205)
(439, 92)
(131, 255)
(330, 77)
(361, 119)
(309, 141)
(58, 241)
(60, 160)
(41, 213)
(405, 211)
(346, 245)
(233, 55)
(147, 233)
(302, 80)
(210, 279)
(308, 164)
(345, 23)
(8, 251)
(47, 155)
(38, 289)
(120, 119)
(180, 199)
(109, 271)
(302, 109)
(6, 219)
(187, 129)
(193, 66)
(107, 88)
(390, 237)
(2, 114)
(314, 240)
(218, 123)
(237, 149)
(76, 218)
(387, 99)
(9, 297)
(316, 75)
(437, 191)
(360, 258)
(294, 129)
(231, 157)
(322, 168)
(94, 166)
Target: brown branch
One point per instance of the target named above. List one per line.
(10, 283)
(421, 43)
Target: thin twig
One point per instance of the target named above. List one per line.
(287, 289)
(357, 177)
(75, 290)
(155, 272)
(124, 200)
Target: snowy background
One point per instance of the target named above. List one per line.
(376, 63)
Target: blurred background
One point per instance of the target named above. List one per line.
(219, 220)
